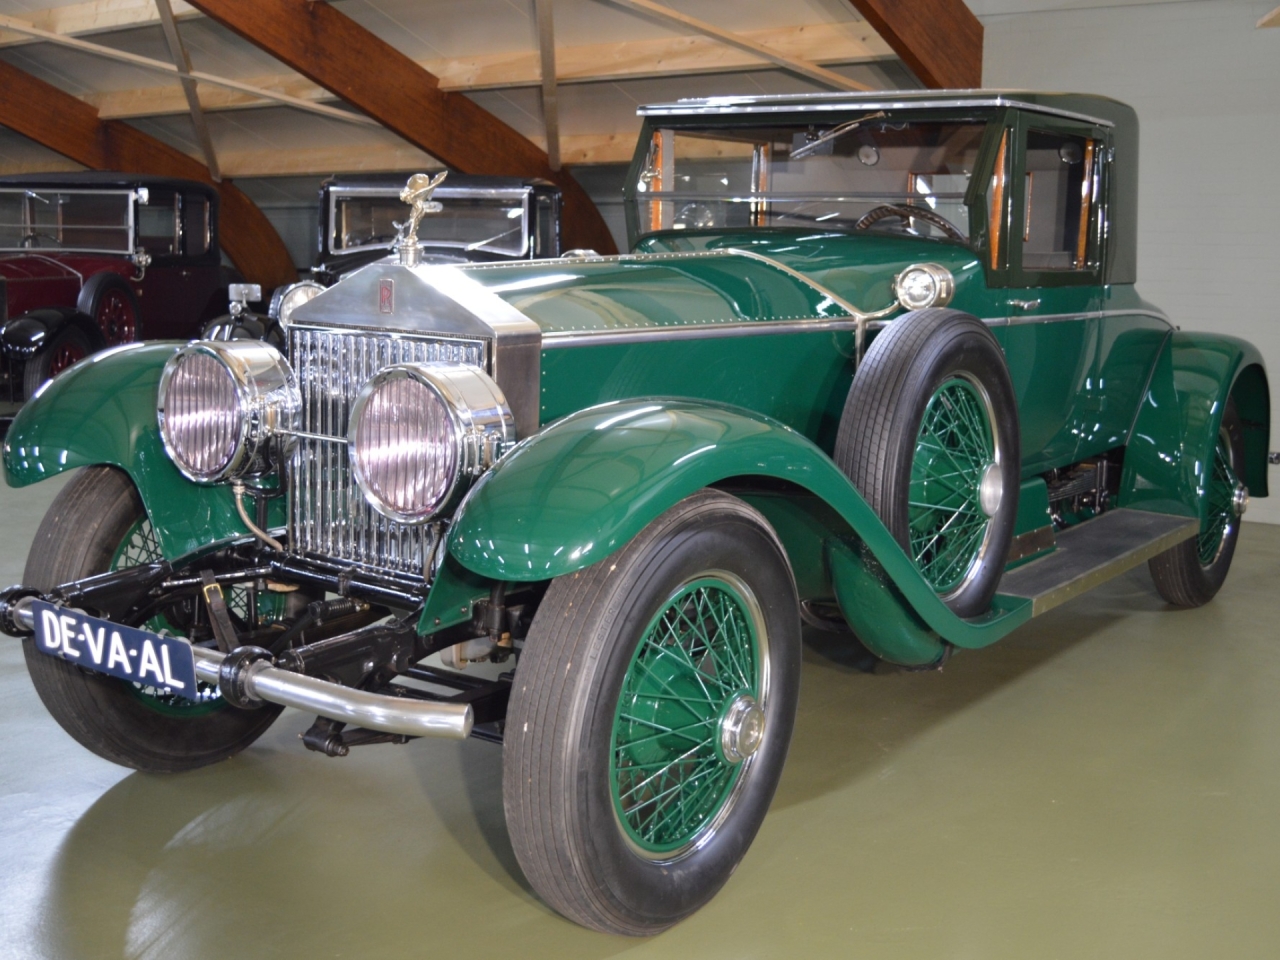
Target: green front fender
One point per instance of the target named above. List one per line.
(1170, 452)
(587, 484)
(103, 411)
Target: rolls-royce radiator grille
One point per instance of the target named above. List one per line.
(328, 514)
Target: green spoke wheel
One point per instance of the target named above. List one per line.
(96, 524)
(954, 449)
(929, 436)
(1191, 573)
(678, 746)
(1221, 497)
(650, 716)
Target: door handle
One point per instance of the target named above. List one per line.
(1025, 304)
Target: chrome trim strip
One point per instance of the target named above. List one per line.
(826, 102)
(716, 331)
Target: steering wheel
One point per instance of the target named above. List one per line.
(32, 240)
(905, 213)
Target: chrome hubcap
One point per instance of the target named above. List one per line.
(741, 729)
(991, 489)
(1240, 500)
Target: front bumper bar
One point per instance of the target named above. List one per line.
(261, 680)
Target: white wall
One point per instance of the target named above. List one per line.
(1206, 85)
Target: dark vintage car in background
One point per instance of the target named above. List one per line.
(876, 361)
(95, 260)
(485, 220)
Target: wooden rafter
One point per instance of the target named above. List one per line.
(365, 71)
(765, 52)
(159, 66)
(71, 127)
(822, 43)
(940, 40)
(1271, 19)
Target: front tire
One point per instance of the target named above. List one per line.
(650, 718)
(95, 522)
(68, 347)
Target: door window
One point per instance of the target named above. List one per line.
(158, 224)
(195, 224)
(1058, 191)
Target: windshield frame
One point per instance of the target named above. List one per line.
(131, 226)
(444, 194)
(993, 120)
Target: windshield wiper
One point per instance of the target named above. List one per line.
(484, 243)
(834, 132)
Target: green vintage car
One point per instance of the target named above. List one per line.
(876, 363)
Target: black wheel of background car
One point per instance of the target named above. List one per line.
(650, 718)
(107, 299)
(97, 520)
(1191, 573)
(69, 346)
(929, 436)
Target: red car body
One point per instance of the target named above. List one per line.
(62, 300)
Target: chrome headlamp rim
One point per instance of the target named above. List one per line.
(480, 424)
(282, 311)
(942, 281)
(267, 404)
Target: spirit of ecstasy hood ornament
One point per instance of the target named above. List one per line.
(417, 193)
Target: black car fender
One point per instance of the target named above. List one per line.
(25, 336)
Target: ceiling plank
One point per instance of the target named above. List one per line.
(1271, 19)
(763, 51)
(96, 16)
(824, 43)
(71, 127)
(940, 40)
(178, 51)
(336, 52)
(159, 66)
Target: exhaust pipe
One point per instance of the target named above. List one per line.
(240, 678)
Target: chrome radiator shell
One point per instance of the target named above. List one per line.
(328, 515)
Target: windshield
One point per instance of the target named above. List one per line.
(65, 220)
(866, 173)
(495, 224)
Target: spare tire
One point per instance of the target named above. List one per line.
(929, 436)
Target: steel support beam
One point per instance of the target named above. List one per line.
(331, 49)
(72, 128)
(940, 40)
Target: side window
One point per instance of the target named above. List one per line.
(195, 224)
(1058, 190)
(158, 224)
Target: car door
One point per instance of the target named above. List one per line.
(1052, 281)
(176, 230)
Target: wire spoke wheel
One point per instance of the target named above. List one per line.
(1221, 503)
(677, 750)
(955, 446)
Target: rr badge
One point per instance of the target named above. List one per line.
(386, 296)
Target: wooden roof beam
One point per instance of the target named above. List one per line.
(821, 43)
(940, 40)
(71, 127)
(312, 37)
(804, 68)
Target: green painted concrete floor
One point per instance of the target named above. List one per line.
(1102, 783)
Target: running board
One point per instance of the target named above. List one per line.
(1093, 552)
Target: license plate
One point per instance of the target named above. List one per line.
(163, 663)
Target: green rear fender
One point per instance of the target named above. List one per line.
(583, 487)
(102, 411)
(1171, 446)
